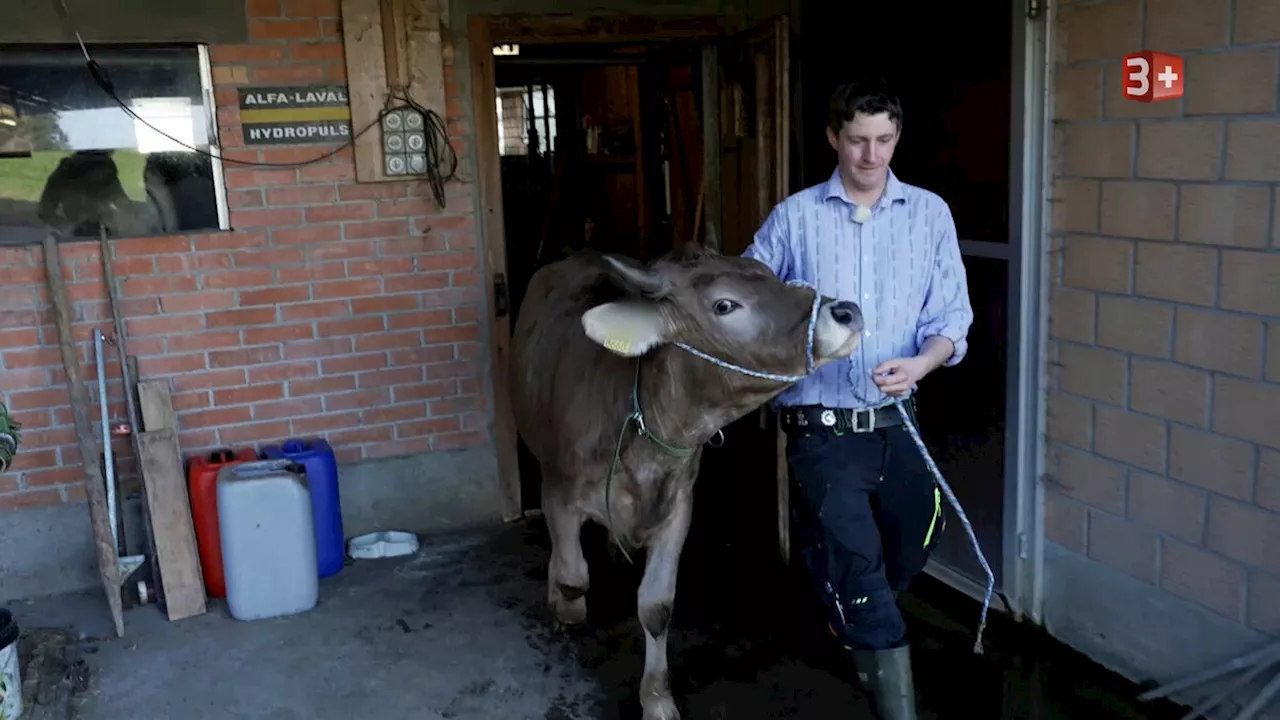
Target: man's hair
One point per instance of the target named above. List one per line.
(867, 97)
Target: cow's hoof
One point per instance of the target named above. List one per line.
(570, 613)
(659, 707)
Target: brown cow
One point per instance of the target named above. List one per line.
(609, 398)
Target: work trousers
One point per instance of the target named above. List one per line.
(865, 514)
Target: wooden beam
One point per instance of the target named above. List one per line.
(392, 47)
(94, 481)
(494, 241)
(171, 524)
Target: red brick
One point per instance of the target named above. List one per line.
(311, 8)
(268, 258)
(237, 240)
(241, 357)
(275, 296)
(278, 333)
(246, 395)
(199, 302)
(265, 8)
(284, 371)
(340, 212)
(151, 246)
(326, 173)
(346, 288)
(239, 177)
(288, 74)
(317, 51)
(288, 409)
(35, 358)
(266, 218)
(215, 418)
(318, 348)
(419, 282)
(301, 195)
(376, 229)
(284, 29)
(248, 53)
(30, 499)
(358, 399)
(313, 234)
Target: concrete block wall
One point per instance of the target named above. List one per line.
(334, 309)
(1164, 409)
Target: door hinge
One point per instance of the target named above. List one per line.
(1035, 8)
(500, 300)
(1024, 547)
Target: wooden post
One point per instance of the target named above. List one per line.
(94, 482)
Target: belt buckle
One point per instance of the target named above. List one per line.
(871, 421)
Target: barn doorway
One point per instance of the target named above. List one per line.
(600, 148)
(633, 143)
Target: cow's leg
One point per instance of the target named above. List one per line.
(655, 602)
(567, 579)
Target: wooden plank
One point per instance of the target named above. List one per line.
(426, 53)
(489, 187)
(171, 525)
(390, 45)
(366, 83)
(157, 405)
(642, 184)
(529, 28)
(711, 129)
(94, 481)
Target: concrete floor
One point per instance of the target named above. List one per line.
(460, 632)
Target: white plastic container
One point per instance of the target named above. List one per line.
(268, 539)
(10, 673)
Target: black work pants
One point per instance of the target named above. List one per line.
(865, 513)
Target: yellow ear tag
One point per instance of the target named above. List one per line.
(617, 344)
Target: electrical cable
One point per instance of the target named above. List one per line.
(438, 149)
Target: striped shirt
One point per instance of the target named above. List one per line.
(902, 267)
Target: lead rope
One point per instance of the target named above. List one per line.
(636, 416)
(906, 419)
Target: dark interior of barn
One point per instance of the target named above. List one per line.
(602, 147)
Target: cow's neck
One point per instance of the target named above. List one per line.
(684, 398)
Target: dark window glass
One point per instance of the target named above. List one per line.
(71, 157)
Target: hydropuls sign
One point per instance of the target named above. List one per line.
(292, 115)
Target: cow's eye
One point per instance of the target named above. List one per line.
(724, 307)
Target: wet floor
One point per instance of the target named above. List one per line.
(461, 632)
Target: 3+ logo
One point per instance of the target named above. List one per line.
(1152, 76)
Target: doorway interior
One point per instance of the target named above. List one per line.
(632, 145)
(966, 137)
(601, 148)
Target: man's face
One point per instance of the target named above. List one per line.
(864, 148)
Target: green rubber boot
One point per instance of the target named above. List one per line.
(886, 677)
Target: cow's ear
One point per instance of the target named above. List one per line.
(640, 279)
(629, 328)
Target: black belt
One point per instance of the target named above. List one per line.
(841, 420)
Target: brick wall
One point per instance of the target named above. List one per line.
(334, 309)
(1164, 414)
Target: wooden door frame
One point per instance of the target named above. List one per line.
(483, 32)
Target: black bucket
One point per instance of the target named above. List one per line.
(8, 629)
(10, 678)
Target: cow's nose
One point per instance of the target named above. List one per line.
(844, 312)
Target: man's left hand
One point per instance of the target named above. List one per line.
(896, 377)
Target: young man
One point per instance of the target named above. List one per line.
(865, 509)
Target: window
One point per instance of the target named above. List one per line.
(71, 157)
(526, 120)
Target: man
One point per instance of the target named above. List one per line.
(866, 510)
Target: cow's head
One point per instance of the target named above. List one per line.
(732, 308)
